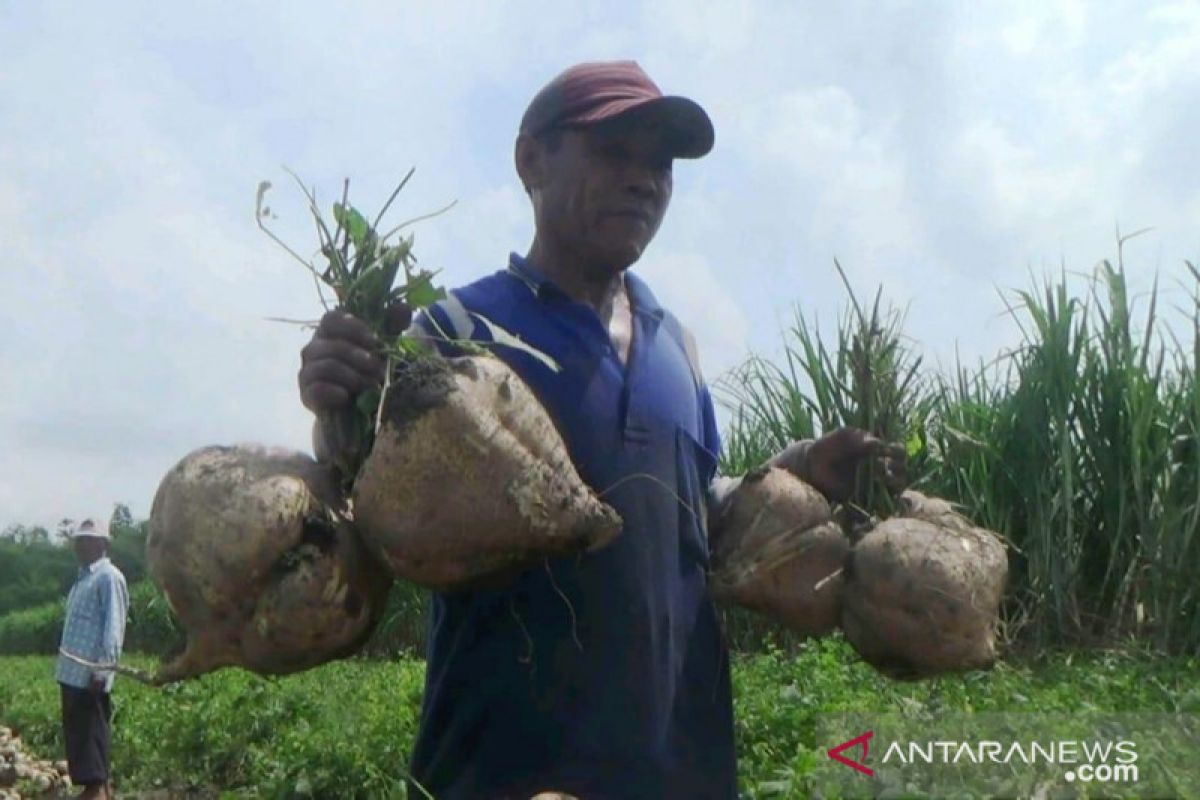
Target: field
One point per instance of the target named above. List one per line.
(344, 730)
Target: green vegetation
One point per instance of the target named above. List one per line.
(346, 729)
(1079, 447)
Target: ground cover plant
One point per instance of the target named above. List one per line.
(290, 736)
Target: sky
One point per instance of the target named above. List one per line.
(945, 152)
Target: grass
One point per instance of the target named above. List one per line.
(346, 729)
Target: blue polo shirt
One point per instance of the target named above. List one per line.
(604, 675)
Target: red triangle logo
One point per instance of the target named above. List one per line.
(864, 740)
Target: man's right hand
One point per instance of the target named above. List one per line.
(343, 359)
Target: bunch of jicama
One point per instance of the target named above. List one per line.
(448, 476)
(918, 594)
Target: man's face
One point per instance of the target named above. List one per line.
(88, 549)
(601, 194)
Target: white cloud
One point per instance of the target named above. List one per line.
(1041, 23)
(1168, 57)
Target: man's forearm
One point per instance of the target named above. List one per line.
(116, 607)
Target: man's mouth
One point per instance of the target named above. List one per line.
(632, 213)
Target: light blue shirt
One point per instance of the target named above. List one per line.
(94, 629)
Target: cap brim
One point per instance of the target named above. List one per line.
(688, 127)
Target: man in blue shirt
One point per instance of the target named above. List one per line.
(605, 675)
(93, 633)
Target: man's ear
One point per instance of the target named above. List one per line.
(529, 157)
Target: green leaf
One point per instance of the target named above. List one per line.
(412, 348)
(915, 444)
(353, 222)
(420, 291)
(368, 402)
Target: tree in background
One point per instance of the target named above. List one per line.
(33, 569)
(37, 567)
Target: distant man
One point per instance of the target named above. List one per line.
(93, 633)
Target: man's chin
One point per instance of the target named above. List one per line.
(624, 256)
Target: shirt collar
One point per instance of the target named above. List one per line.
(95, 565)
(640, 297)
(530, 276)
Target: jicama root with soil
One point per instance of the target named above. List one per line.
(468, 478)
(923, 591)
(776, 550)
(259, 563)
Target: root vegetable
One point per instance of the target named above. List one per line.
(468, 478)
(20, 769)
(923, 592)
(254, 561)
(777, 551)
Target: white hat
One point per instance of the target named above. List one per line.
(90, 527)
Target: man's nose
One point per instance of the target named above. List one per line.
(643, 184)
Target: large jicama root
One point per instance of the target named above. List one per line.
(777, 551)
(257, 567)
(923, 591)
(468, 478)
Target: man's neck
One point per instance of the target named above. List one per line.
(594, 285)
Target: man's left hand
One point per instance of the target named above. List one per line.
(830, 463)
(97, 684)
